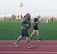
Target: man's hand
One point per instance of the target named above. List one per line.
(27, 25)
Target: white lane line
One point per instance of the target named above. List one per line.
(33, 45)
(25, 52)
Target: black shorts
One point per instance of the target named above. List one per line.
(24, 32)
(35, 28)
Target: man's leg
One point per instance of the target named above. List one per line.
(37, 32)
(38, 35)
(28, 41)
(15, 43)
(32, 33)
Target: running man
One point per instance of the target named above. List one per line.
(35, 27)
(26, 24)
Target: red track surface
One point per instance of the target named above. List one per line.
(40, 47)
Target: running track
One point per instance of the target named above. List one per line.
(40, 47)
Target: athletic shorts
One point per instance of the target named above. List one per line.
(35, 28)
(24, 32)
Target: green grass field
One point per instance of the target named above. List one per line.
(10, 30)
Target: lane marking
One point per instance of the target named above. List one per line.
(25, 52)
(33, 45)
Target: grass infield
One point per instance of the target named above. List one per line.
(10, 30)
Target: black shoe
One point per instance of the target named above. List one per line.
(40, 39)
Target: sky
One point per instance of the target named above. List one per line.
(38, 7)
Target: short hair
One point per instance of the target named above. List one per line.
(35, 19)
(28, 15)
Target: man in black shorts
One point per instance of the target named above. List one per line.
(35, 27)
(26, 24)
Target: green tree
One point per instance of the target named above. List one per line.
(13, 17)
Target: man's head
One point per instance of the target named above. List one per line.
(38, 17)
(28, 15)
(35, 19)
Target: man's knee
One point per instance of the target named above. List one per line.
(27, 39)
